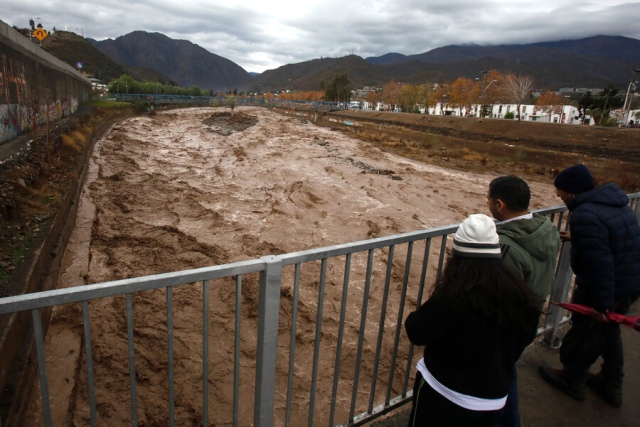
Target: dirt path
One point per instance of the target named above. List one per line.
(170, 192)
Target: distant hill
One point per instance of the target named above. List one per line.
(614, 47)
(253, 74)
(72, 48)
(308, 75)
(185, 62)
(386, 59)
(592, 62)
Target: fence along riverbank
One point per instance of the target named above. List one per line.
(363, 407)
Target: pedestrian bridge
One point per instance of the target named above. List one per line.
(220, 101)
(356, 395)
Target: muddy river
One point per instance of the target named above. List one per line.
(198, 187)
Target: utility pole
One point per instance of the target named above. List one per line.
(624, 109)
(605, 106)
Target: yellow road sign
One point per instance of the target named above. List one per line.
(40, 33)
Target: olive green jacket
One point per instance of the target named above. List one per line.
(530, 247)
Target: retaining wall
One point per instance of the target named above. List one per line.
(34, 85)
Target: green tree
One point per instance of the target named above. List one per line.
(411, 97)
(587, 101)
(338, 89)
(608, 93)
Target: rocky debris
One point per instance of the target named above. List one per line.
(224, 122)
(220, 131)
(379, 171)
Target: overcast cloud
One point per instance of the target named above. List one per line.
(265, 34)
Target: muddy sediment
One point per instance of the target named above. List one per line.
(611, 154)
(165, 193)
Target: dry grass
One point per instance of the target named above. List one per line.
(456, 153)
(76, 140)
(42, 199)
(623, 182)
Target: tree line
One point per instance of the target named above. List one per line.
(494, 88)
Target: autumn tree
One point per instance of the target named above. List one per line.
(516, 89)
(463, 93)
(391, 92)
(373, 98)
(549, 103)
(441, 95)
(314, 95)
(430, 96)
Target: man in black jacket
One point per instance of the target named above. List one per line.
(605, 257)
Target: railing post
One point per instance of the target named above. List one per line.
(267, 350)
(559, 294)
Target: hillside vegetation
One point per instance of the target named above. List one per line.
(72, 48)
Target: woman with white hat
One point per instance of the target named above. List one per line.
(474, 326)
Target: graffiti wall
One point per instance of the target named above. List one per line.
(33, 84)
(16, 119)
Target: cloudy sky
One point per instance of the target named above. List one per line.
(265, 34)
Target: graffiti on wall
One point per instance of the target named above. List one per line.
(12, 79)
(16, 119)
(33, 92)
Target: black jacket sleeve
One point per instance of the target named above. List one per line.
(428, 324)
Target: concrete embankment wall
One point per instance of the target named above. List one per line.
(18, 363)
(34, 84)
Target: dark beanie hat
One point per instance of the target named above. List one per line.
(575, 180)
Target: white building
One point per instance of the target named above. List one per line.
(568, 114)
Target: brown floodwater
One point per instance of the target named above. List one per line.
(180, 190)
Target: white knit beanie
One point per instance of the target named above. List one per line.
(477, 238)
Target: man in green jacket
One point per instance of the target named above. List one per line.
(530, 244)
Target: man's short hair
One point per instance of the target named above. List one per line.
(513, 191)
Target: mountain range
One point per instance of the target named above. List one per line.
(183, 61)
(612, 47)
(72, 48)
(591, 62)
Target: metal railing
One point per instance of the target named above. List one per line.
(217, 101)
(364, 406)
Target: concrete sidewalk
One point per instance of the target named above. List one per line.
(541, 405)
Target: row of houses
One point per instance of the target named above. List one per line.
(566, 114)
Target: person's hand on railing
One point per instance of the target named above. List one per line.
(565, 236)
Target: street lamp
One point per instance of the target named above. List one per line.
(484, 89)
(625, 114)
(400, 96)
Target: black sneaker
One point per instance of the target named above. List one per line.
(610, 395)
(556, 378)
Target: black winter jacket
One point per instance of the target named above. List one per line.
(605, 245)
(464, 354)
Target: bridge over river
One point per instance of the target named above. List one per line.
(218, 101)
